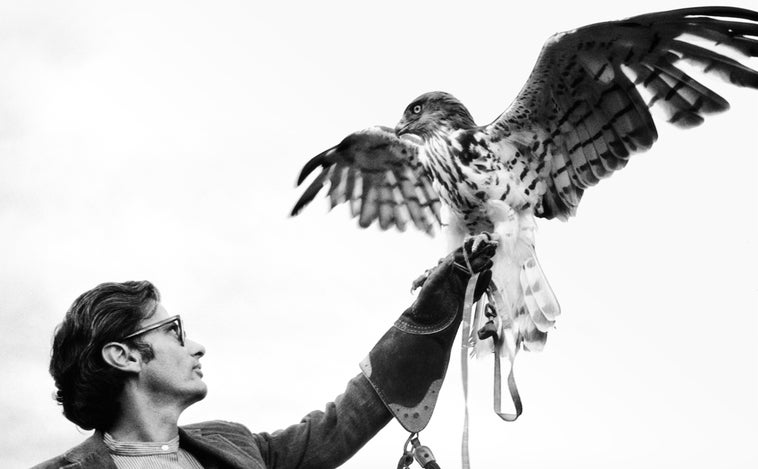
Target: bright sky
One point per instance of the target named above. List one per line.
(161, 141)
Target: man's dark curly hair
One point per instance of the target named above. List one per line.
(88, 388)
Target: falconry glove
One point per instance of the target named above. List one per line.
(408, 364)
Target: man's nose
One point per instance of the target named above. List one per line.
(196, 349)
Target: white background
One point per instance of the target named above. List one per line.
(161, 141)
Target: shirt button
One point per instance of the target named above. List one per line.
(164, 447)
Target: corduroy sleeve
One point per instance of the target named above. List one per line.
(328, 438)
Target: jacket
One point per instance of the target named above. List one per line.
(323, 439)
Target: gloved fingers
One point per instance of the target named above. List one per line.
(479, 261)
(482, 260)
(480, 250)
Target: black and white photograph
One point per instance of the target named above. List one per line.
(379, 234)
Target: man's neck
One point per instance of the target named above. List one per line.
(146, 421)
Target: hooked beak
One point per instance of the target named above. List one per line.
(401, 127)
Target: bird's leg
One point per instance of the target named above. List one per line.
(471, 246)
(480, 238)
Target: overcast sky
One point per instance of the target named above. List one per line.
(162, 140)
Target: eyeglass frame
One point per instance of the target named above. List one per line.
(151, 327)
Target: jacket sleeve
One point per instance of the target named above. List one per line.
(329, 438)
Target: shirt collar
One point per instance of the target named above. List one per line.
(140, 448)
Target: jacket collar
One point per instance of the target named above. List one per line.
(214, 451)
(92, 453)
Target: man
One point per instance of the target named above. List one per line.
(123, 367)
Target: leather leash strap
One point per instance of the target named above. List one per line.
(468, 303)
(467, 338)
(500, 344)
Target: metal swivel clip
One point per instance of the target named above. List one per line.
(413, 449)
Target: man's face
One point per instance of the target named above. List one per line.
(173, 376)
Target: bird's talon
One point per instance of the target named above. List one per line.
(419, 282)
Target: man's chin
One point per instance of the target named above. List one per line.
(203, 392)
(198, 394)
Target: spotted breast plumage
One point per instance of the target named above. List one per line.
(578, 118)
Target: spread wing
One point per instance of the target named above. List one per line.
(582, 109)
(380, 175)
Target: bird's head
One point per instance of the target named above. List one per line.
(432, 111)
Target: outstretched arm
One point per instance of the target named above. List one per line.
(402, 373)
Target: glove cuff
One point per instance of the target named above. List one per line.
(408, 365)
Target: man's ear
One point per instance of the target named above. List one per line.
(121, 357)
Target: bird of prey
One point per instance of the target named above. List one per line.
(577, 120)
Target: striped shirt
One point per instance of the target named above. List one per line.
(150, 455)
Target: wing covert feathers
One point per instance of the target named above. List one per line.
(380, 176)
(583, 100)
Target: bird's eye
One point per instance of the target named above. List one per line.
(417, 109)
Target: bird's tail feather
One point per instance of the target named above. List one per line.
(540, 305)
(526, 305)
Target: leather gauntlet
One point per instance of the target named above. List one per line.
(408, 364)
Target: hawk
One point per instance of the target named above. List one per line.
(577, 120)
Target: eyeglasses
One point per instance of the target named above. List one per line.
(176, 321)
